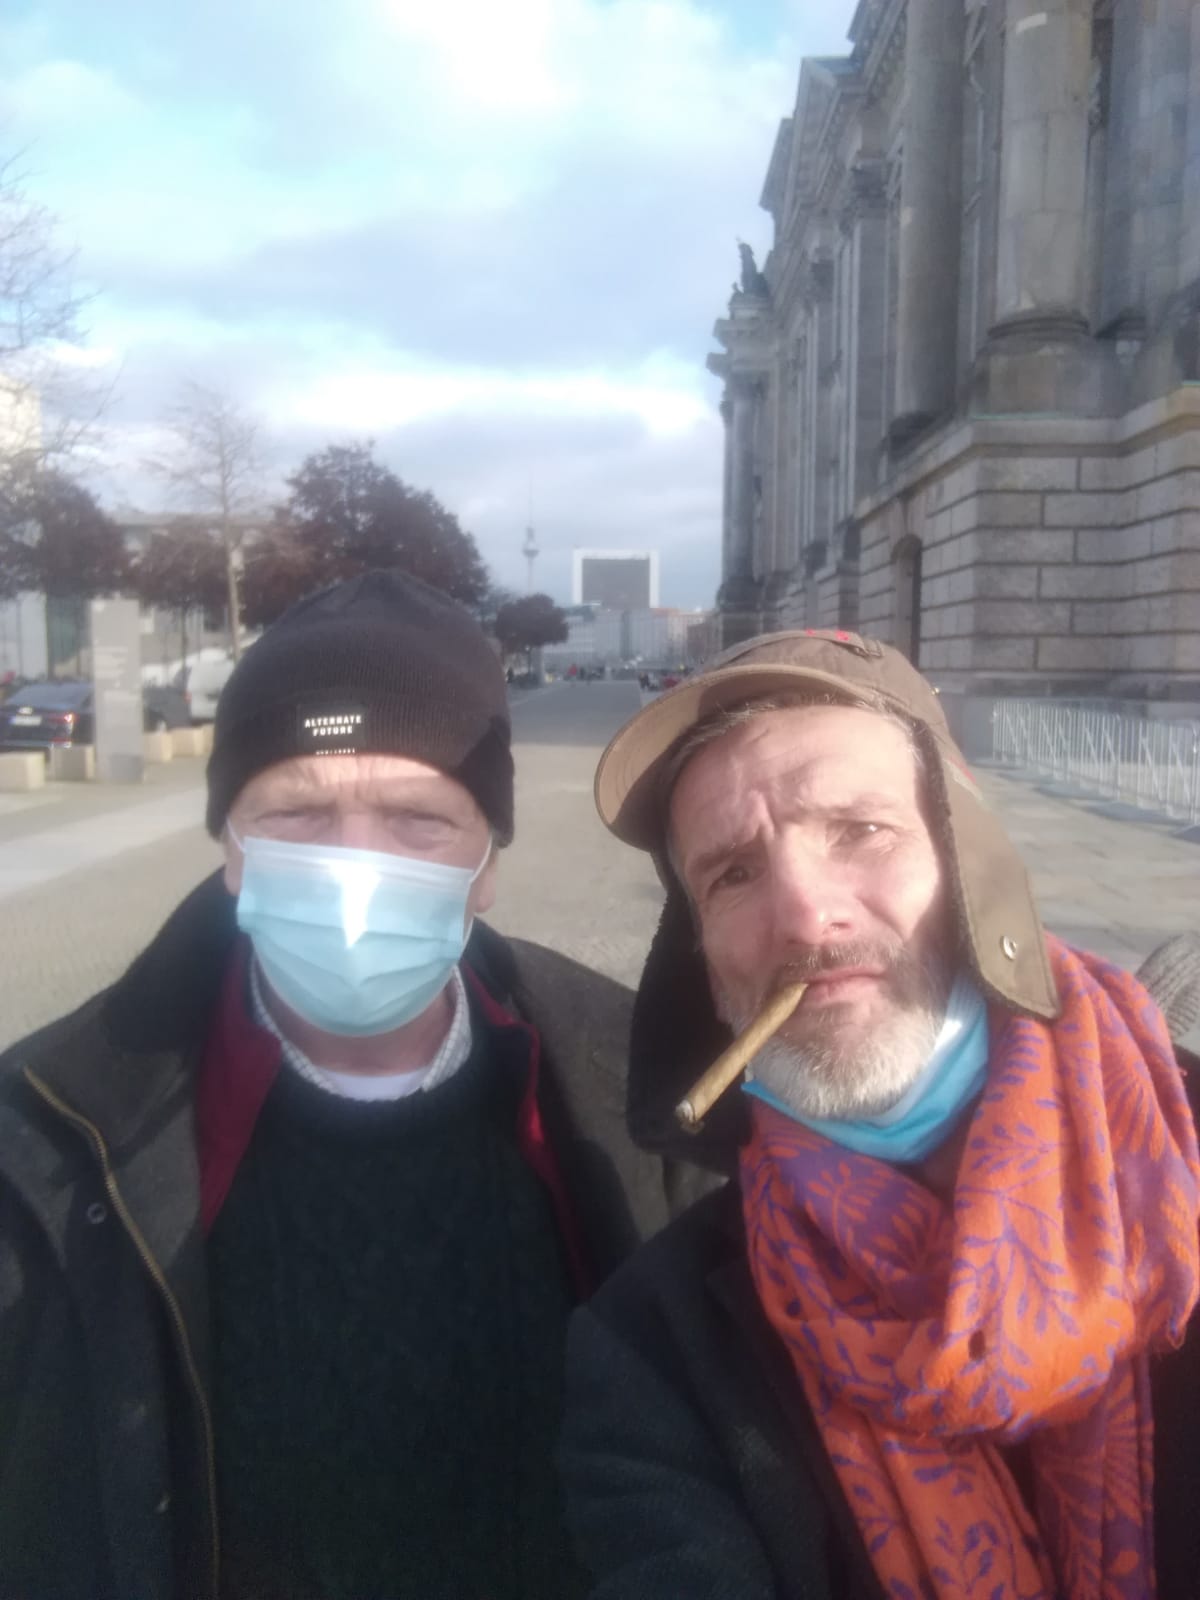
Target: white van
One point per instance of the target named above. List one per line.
(203, 681)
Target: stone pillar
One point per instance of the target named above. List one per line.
(780, 474)
(1040, 271)
(742, 490)
(1040, 356)
(821, 347)
(865, 219)
(793, 533)
(930, 200)
(1099, 99)
(1160, 142)
(739, 600)
(727, 491)
(1189, 269)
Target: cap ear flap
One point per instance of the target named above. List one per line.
(676, 1036)
(996, 918)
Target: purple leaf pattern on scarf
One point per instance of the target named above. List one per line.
(932, 1340)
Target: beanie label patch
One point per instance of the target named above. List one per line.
(333, 730)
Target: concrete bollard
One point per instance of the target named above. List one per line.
(72, 763)
(157, 746)
(22, 770)
(190, 741)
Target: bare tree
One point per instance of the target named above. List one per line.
(215, 465)
(181, 569)
(47, 405)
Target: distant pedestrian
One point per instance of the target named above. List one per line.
(292, 1217)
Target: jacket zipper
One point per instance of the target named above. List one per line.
(152, 1267)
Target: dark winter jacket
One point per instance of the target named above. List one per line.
(693, 1464)
(106, 1439)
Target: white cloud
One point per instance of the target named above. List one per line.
(365, 400)
(494, 237)
(61, 95)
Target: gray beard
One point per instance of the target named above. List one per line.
(832, 1075)
(825, 1081)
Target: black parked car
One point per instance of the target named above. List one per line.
(59, 712)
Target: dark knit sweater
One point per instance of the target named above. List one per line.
(389, 1307)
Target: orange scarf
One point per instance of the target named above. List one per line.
(929, 1338)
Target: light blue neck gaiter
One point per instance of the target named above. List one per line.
(927, 1112)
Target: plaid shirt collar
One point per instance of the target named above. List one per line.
(452, 1054)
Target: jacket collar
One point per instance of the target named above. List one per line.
(123, 1058)
(124, 1070)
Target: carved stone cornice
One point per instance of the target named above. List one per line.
(865, 192)
(883, 62)
(829, 182)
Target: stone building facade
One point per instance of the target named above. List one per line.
(962, 399)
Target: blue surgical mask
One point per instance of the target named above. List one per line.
(357, 942)
(925, 1116)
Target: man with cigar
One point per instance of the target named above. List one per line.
(293, 1216)
(936, 1336)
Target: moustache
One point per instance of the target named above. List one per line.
(914, 981)
(877, 956)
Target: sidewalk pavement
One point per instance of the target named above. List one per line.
(87, 877)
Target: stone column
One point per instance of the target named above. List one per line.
(744, 397)
(778, 559)
(866, 220)
(1190, 247)
(930, 200)
(1040, 271)
(795, 525)
(1166, 145)
(727, 491)
(819, 295)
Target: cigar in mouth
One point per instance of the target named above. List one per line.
(730, 1065)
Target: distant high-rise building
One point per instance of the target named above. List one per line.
(615, 580)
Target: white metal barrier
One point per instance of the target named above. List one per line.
(1134, 759)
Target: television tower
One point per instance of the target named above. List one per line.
(530, 551)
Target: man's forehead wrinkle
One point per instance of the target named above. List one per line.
(327, 782)
(729, 804)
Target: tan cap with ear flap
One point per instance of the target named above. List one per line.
(994, 907)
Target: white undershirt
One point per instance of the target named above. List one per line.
(451, 1055)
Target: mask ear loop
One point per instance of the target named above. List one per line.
(487, 856)
(230, 830)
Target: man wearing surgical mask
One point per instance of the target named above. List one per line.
(293, 1216)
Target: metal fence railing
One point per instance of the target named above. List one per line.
(1137, 760)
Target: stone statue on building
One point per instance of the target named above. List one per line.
(752, 280)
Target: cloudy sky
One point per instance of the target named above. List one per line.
(491, 236)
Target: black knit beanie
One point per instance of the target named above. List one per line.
(381, 663)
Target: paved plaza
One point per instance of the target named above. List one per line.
(87, 874)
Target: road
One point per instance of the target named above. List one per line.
(87, 874)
